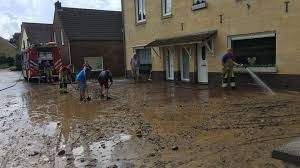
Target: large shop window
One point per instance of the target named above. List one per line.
(256, 52)
(140, 10)
(167, 7)
(145, 60)
(95, 62)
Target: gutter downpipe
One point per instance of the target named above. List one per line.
(124, 38)
(70, 58)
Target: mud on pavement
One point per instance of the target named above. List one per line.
(145, 125)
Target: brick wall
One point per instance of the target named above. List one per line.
(111, 51)
(64, 49)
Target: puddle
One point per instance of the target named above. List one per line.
(50, 129)
(100, 152)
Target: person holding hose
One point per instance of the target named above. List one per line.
(48, 70)
(64, 77)
(228, 73)
(104, 78)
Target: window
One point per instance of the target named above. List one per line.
(140, 10)
(167, 7)
(255, 51)
(62, 37)
(199, 4)
(196, 2)
(95, 62)
(145, 60)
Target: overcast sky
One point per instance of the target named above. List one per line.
(14, 12)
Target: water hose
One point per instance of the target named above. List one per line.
(13, 84)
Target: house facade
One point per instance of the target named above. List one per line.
(185, 40)
(90, 35)
(34, 33)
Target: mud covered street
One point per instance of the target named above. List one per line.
(145, 125)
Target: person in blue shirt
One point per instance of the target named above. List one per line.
(82, 84)
(88, 70)
(228, 64)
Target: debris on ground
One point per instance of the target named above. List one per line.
(139, 133)
(205, 128)
(174, 148)
(34, 153)
(61, 153)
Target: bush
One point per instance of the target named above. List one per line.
(18, 62)
(10, 61)
(2, 59)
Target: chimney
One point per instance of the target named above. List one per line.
(58, 5)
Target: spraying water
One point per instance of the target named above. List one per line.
(260, 82)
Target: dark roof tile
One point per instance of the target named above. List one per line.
(38, 32)
(90, 24)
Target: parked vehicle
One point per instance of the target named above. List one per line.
(39, 61)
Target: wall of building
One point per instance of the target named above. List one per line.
(238, 19)
(64, 49)
(7, 49)
(111, 51)
(23, 40)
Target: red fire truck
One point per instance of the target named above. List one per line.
(37, 57)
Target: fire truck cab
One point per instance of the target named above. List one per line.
(40, 61)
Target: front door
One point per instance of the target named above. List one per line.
(169, 65)
(202, 64)
(185, 68)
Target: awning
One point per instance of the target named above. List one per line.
(188, 39)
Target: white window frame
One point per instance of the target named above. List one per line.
(62, 37)
(188, 51)
(93, 64)
(165, 7)
(253, 36)
(54, 37)
(140, 8)
(249, 36)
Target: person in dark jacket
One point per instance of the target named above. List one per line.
(104, 78)
(135, 67)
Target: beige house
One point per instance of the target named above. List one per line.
(7, 49)
(185, 39)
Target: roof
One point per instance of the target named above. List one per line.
(6, 42)
(38, 32)
(90, 24)
(192, 38)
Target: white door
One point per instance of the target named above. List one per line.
(202, 64)
(169, 64)
(184, 65)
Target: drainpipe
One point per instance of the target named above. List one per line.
(70, 58)
(124, 38)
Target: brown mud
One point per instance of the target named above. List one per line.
(144, 125)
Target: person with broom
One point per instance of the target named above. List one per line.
(81, 79)
(104, 78)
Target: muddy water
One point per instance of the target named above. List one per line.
(210, 128)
